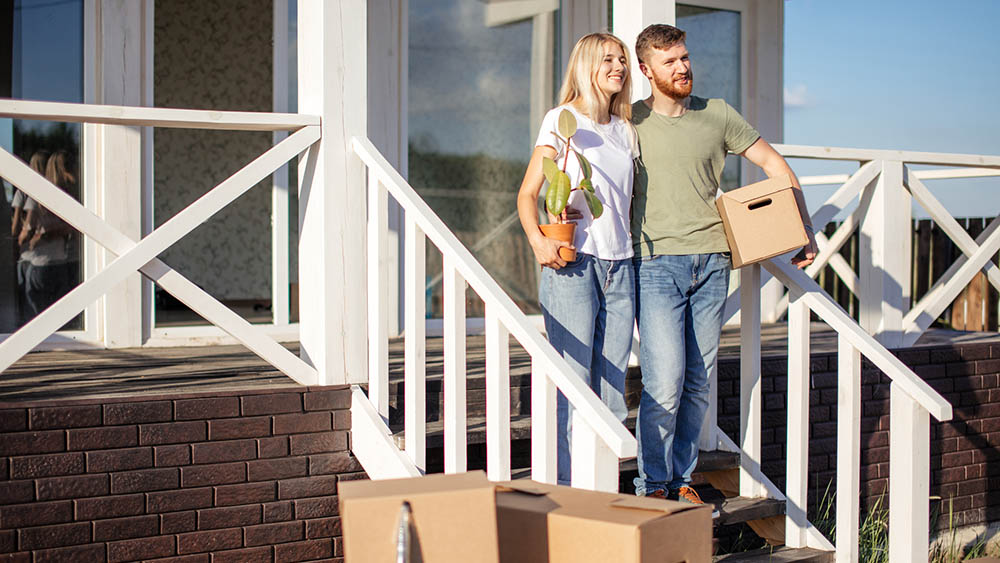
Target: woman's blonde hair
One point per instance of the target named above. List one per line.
(61, 171)
(580, 84)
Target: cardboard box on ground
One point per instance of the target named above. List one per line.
(762, 220)
(464, 517)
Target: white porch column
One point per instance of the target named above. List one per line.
(630, 17)
(124, 185)
(332, 62)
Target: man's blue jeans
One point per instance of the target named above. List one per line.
(679, 301)
(589, 312)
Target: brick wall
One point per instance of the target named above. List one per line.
(214, 477)
(965, 452)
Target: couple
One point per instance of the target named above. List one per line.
(659, 256)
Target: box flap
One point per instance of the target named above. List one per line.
(412, 486)
(759, 189)
(512, 486)
(654, 505)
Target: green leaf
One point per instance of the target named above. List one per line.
(595, 205)
(584, 164)
(558, 194)
(586, 184)
(549, 168)
(567, 124)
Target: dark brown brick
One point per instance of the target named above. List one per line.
(229, 517)
(8, 541)
(276, 446)
(103, 438)
(178, 522)
(109, 507)
(212, 407)
(106, 461)
(245, 493)
(323, 528)
(22, 557)
(135, 413)
(193, 558)
(254, 405)
(270, 534)
(342, 420)
(269, 469)
(126, 528)
(216, 474)
(144, 480)
(327, 464)
(13, 420)
(278, 512)
(333, 399)
(50, 465)
(303, 551)
(307, 487)
(318, 443)
(247, 427)
(77, 486)
(43, 418)
(300, 423)
(319, 507)
(166, 456)
(172, 433)
(35, 514)
(4, 469)
(90, 552)
(187, 499)
(15, 492)
(21, 443)
(221, 452)
(142, 548)
(250, 555)
(213, 540)
(44, 537)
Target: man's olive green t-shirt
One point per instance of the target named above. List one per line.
(678, 174)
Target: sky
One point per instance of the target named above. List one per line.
(897, 74)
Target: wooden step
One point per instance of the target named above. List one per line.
(777, 555)
(741, 509)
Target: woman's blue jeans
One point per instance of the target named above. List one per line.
(589, 312)
(679, 301)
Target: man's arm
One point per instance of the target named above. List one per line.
(762, 154)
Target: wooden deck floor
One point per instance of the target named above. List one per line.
(79, 374)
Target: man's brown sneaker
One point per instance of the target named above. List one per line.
(689, 495)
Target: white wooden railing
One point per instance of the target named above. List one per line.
(883, 188)
(599, 439)
(141, 255)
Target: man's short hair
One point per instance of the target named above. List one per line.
(657, 36)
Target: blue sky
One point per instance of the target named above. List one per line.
(910, 75)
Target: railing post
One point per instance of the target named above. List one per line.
(543, 426)
(848, 449)
(797, 450)
(750, 400)
(378, 341)
(909, 477)
(886, 232)
(415, 345)
(455, 435)
(497, 398)
(594, 465)
(332, 56)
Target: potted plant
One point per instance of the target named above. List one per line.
(560, 187)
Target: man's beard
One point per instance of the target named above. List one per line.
(666, 86)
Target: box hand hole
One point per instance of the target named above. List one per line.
(759, 203)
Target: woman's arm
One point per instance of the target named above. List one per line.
(546, 249)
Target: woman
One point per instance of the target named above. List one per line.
(588, 305)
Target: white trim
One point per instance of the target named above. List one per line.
(280, 195)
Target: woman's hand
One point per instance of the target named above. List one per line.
(547, 250)
(808, 252)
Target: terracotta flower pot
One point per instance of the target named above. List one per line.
(563, 232)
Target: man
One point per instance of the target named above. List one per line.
(682, 259)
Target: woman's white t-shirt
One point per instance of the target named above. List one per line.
(608, 147)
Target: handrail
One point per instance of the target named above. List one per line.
(157, 117)
(911, 157)
(618, 439)
(838, 319)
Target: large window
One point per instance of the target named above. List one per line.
(43, 47)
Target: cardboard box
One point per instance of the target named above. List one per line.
(762, 220)
(548, 523)
(454, 518)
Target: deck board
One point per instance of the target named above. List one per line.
(78, 374)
